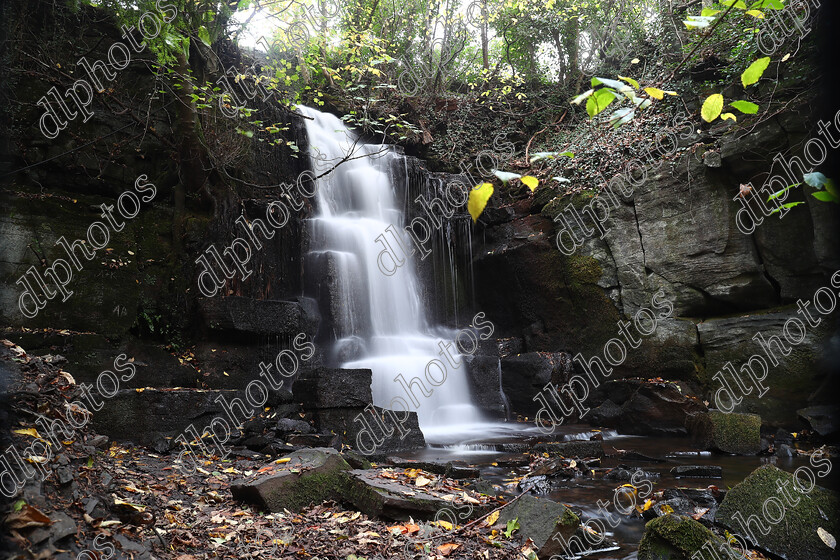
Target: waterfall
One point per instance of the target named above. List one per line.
(376, 321)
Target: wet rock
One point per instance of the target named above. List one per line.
(287, 426)
(735, 433)
(525, 375)
(825, 420)
(701, 498)
(647, 408)
(784, 450)
(625, 473)
(676, 537)
(311, 476)
(794, 537)
(578, 448)
(697, 471)
(783, 436)
(485, 380)
(544, 521)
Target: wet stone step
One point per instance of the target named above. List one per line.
(697, 471)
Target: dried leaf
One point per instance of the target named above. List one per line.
(422, 481)
(28, 432)
(27, 516)
(492, 518)
(448, 548)
(827, 538)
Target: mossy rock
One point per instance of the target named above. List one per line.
(676, 537)
(794, 536)
(309, 477)
(735, 433)
(547, 523)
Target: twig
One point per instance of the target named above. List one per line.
(490, 512)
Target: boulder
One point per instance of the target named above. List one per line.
(552, 526)
(794, 535)
(310, 476)
(739, 434)
(647, 407)
(287, 426)
(358, 428)
(676, 537)
(825, 419)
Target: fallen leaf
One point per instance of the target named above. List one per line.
(492, 518)
(421, 481)
(27, 432)
(446, 549)
(827, 538)
(27, 516)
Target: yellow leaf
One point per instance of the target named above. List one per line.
(786, 57)
(492, 518)
(530, 182)
(445, 524)
(635, 61)
(28, 432)
(755, 13)
(726, 116)
(712, 107)
(647, 505)
(283, 460)
(656, 93)
(478, 199)
(665, 508)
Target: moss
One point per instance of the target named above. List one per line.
(794, 536)
(675, 537)
(568, 519)
(583, 269)
(736, 433)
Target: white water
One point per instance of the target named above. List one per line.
(356, 203)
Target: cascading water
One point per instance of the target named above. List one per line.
(377, 321)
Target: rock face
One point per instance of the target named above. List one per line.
(550, 525)
(731, 433)
(310, 476)
(677, 232)
(789, 517)
(676, 537)
(525, 375)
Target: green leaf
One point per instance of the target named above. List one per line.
(614, 84)
(777, 194)
(745, 107)
(512, 526)
(712, 107)
(752, 74)
(738, 4)
(786, 206)
(599, 101)
(204, 35)
(826, 196)
(18, 505)
(478, 199)
(698, 22)
(706, 12)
